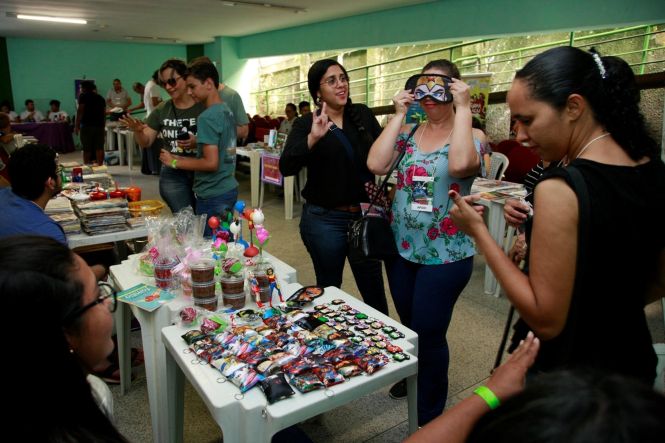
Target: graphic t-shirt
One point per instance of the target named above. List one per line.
(170, 121)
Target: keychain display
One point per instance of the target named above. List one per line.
(278, 349)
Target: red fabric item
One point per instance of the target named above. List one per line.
(521, 161)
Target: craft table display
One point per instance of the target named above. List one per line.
(57, 135)
(127, 275)
(493, 196)
(249, 417)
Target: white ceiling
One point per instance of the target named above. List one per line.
(173, 21)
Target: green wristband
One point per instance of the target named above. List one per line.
(486, 394)
(174, 163)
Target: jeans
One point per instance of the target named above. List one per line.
(324, 233)
(424, 296)
(215, 206)
(175, 187)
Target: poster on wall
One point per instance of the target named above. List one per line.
(270, 169)
(479, 88)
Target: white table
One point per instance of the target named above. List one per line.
(498, 228)
(126, 146)
(78, 240)
(251, 418)
(125, 276)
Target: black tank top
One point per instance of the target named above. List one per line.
(606, 328)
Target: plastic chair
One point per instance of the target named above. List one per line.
(498, 164)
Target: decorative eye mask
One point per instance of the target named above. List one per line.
(434, 86)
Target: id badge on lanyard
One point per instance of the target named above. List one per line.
(422, 193)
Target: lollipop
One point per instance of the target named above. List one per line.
(258, 217)
(231, 265)
(213, 223)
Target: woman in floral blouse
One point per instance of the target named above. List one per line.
(436, 258)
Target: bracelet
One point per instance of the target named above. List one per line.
(486, 394)
(174, 163)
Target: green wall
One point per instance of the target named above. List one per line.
(45, 69)
(452, 20)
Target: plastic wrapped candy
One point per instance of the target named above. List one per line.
(276, 388)
(188, 316)
(307, 382)
(328, 376)
(246, 378)
(193, 336)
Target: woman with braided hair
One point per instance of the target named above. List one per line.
(333, 144)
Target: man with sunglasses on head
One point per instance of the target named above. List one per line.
(175, 121)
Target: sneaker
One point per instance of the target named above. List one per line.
(398, 391)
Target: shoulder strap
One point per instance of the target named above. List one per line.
(365, 176)
(384, 184)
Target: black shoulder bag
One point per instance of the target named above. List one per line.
(370, 236)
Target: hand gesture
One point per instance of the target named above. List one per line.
(518, 252)
(320, 124)
(461, 93)
(466, 215)
(402, 101)
(132, 123)
(515, 211)
(508, 379)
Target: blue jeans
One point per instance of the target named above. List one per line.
(424, 296)
(215, 206)
(175, 187)
(324, 233)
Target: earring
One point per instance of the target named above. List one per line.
(71, 351)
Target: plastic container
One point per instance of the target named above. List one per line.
(203, 290)
(206, 303)
(203, 271)
(143, 208)
(164, 267)
(235, 301)
(186, 285)
(232, 284)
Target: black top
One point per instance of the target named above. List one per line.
(94, 113)
(606, 326)
(332, 179)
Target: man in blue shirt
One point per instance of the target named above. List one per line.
(33, 173)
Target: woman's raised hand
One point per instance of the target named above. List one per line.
(402, 101)
(320, 125)
(461, 93)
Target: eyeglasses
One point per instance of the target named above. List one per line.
(170, 81)
(332, 81)
(106, 292)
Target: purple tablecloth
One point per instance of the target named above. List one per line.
(57, 135)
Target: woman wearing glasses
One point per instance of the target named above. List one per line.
(174, 120)
(435, 258)
(61, 312)
(333, 144)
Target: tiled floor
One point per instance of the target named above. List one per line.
(474, 336)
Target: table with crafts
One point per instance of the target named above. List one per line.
(127, 275)
(249, 417)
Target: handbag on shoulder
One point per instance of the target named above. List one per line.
(371, 235)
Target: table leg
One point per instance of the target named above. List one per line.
(288, 197)
(121, 147)
(110, 139)
(175, 399)
(411, 398)
(255, 176)
(495, 221)
(123, 318)
(129, 136)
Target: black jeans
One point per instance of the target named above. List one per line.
(324, 232)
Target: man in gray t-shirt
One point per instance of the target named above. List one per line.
(232, 99)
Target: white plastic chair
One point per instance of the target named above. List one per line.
(498, 165)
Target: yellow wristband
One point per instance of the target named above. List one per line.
(486, 394)
(174, 163)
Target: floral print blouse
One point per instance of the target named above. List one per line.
(429, 238)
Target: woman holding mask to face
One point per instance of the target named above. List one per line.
(332, 144)
(435, 259)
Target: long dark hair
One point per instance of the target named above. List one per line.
(608, 85)
(38, 290)
(314, 76)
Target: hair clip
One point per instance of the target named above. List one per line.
(599, 63)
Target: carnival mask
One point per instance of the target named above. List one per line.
(434, 86)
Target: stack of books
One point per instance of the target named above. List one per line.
(103, 216)
(61, 211)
